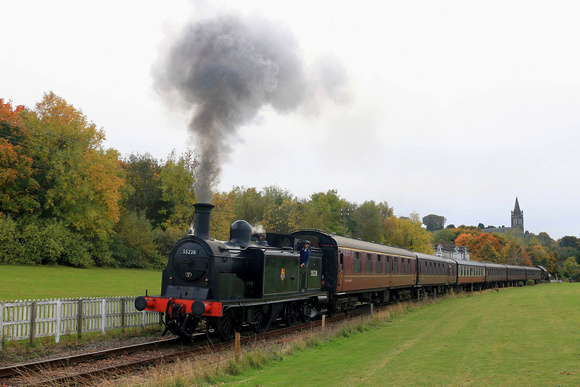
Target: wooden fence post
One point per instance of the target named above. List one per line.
(237, 346)
(57, 322)
(123, 315)
(80, 318)
(32, 322)
(1, 324)
(104, 316)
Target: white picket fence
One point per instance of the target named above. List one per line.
(21, 320)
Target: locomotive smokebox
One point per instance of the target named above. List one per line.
(202, 219)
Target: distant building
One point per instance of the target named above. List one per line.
(518, 217)
(449, 250)
(517, 221)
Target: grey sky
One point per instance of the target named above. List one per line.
(454, 107)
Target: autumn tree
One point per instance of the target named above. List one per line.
(17, 186)
(545, 239)
(407, 233)
(222, 215)
(282, 211)
(434, 222)
(368, 217)
(465, 239)
(568, 241)
(324, 212)
(445, 235)
(79, 179)
(143, 176)
(249, 205)
(282, 216)
(514, 254)
(177, 194)
(540, 255)
(571, 269)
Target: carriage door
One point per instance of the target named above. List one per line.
(340, 282)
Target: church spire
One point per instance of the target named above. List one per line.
(517, 206)
(517, 217)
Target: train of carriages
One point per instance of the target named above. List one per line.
(224, 285)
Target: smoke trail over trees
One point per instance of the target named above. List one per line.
(225, 70)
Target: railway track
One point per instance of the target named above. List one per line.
(88, 368)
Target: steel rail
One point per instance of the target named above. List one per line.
(19, 369)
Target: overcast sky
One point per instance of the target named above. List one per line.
(451, 108)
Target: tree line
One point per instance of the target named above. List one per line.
(65, 199)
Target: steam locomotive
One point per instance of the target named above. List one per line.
(225, 285)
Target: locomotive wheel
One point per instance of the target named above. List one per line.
(227, 325)
(310, 311)
(291, 313)
(262, 317)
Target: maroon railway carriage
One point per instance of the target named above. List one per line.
(436, 274)
(354, 270)
(533, 273)
(470, 274)
(516, 274)
(495, 273)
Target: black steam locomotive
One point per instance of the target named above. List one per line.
(233, 283)
(224, 285)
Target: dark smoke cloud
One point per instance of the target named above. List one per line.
(226, 69)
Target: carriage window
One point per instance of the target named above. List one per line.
(356, 262)
(341, 261)
(396, 265)
(369, 269)
(379, 264)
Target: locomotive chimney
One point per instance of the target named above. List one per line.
(202, 218)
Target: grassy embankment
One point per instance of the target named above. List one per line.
(518, 336)
(515, 337)
(43, 282)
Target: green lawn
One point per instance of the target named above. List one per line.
(40, 282)
(516, 337)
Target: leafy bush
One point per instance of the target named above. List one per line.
(49, 242)
(9, 245)
(166, 239)
(100, 253)
(77, 252)
(123, 255)
(42, 242)
(138, 239)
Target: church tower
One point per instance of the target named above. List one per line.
(517, 217)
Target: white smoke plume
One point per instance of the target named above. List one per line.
(225, 70)
(258, 229)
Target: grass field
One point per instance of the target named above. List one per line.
(515, 337)
(40, 282)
